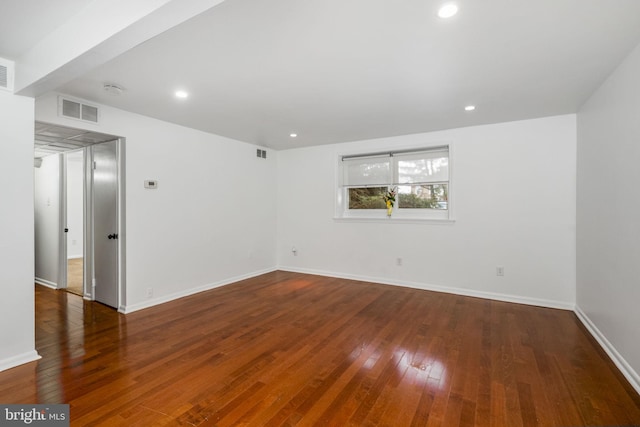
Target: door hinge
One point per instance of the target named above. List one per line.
(94, 165)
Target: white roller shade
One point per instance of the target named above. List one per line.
(421, 167)
(371, 171)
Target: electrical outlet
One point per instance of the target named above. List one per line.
(149, 292)
(399, 262)
(499, 271)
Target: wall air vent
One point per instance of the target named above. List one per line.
(77, 110)
(90, 113)
(6, 74)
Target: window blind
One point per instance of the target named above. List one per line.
(367, 171)
(422, 166)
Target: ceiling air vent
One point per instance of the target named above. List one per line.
(6, 74)
(78, 110)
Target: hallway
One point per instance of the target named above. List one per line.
(75, 269)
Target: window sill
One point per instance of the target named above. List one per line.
(395, 220)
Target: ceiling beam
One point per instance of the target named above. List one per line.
(98, 33)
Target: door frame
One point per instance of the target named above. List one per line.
(63, 244)
(62, 218)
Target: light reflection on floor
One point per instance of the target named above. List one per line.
(431, 372)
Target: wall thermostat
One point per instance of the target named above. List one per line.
(151, 183)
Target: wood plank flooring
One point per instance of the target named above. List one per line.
(75, 270)
(288, 349)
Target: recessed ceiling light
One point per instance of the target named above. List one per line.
(470, 108)
(293, 135)
(181, 94)
(447, 10)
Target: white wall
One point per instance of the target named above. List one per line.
(17, 336)
(608, 202)
(75, 191)
(514, 193)
(212, 219)
(47, 221)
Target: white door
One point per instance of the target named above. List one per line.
(105, 222)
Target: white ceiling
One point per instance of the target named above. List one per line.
(335, 70)
(23, 23)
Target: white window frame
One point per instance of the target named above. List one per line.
(342, 211)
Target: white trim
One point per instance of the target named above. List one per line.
(75, 256)
(126, 309)
(437, 288)
(62, 221)
(394, 220)
(122, 233)
(625, 368)
(87, 224)
(47, 283)
(20, 359)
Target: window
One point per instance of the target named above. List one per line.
(421, 177)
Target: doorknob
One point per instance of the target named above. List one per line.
(112, 236)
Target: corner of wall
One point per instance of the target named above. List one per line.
(20, 359)
(627, 370)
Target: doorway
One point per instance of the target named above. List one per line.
(81, 171)
(74, 224)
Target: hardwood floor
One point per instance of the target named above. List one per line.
(294, 349)
(75, 271)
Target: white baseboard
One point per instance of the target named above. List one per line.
(20, 359)
(126, 309)
(449, 290)
(46, 283)
(629, 373)
(74, 256)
